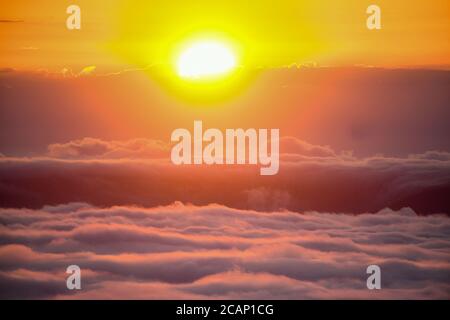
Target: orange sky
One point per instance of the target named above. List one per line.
(138, 33)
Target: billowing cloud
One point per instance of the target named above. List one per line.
(89, 148)
(186, 251)
(311, 177)
(297, 146)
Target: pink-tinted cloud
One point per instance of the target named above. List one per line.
(90, 148)
(185, 251)
(311, 177)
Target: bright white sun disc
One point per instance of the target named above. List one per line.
(205, 59)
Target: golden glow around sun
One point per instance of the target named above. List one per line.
(205, 59)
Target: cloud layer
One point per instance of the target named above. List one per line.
(311, 177)
(185, 251)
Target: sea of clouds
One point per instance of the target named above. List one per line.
(213, 251)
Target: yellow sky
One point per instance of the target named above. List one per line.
(267, 33)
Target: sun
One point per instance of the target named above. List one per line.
(206, 59)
